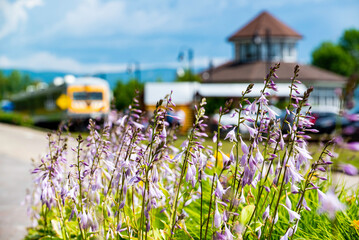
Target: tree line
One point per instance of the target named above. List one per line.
(13, 83)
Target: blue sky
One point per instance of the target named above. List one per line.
(88, 36)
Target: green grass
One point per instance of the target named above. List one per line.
(15, 118)
(343, 155)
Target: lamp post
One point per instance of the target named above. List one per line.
(134, 67)
(182, 54)
(269, 46)
(257, 40)
(207, 75)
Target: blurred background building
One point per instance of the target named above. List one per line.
(264, 41)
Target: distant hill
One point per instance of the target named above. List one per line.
(150, 75)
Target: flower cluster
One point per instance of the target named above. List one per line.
(128, 180)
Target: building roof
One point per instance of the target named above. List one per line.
(262, 24)
(255, 72)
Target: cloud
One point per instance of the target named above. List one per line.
(44, 61)
(96, 17)
(14, 15)
(138, 18)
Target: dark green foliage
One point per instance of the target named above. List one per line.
(13, 83)
(350, 42)
(125, 92)
(188, 76)
(341, 58)
(333, 58)
(213, 104)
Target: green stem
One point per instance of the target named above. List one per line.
(214, 174)
(200, 232)
(210, 206)
(184, 168)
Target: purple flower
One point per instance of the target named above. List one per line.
(214, 139)
(349, 130)
(244, 147)
(259, 157)
(272, 114)
(74, 210)
(349, 169)
(252, 132)
(191, 174)
(226, 160)
(253, 107)
(303, 153)
(354, 146)
(288, 202)
(292, 214)
(137, 125)
(330, 203)
(289, 233)
(296, 177)
(275, 218)
(266, 213)
(154, 175)
(163, 134)
(321, 195)
(217, 218)
(220, 190)
(227, 233)
(83, 219)
(281, 142)
(121, 121)
(294, 189)
(352, 117)
(231, 135)
(305, 205)
(231, 156)
(262, 100)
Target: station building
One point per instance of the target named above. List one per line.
(257, 46)
(265, 40)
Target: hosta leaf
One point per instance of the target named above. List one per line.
(246, 214)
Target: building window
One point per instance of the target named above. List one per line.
(247, 52)
(275, 51)
(324, 96)
(291, 51)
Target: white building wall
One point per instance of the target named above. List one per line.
(324, 96)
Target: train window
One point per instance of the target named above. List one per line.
(79, 96)
(87, 95)
(96, 95)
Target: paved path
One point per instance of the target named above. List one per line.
(351, 182)
(14, 179)
(18, 146)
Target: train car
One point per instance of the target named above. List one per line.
(74, 99)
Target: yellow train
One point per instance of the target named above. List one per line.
(69, 98)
